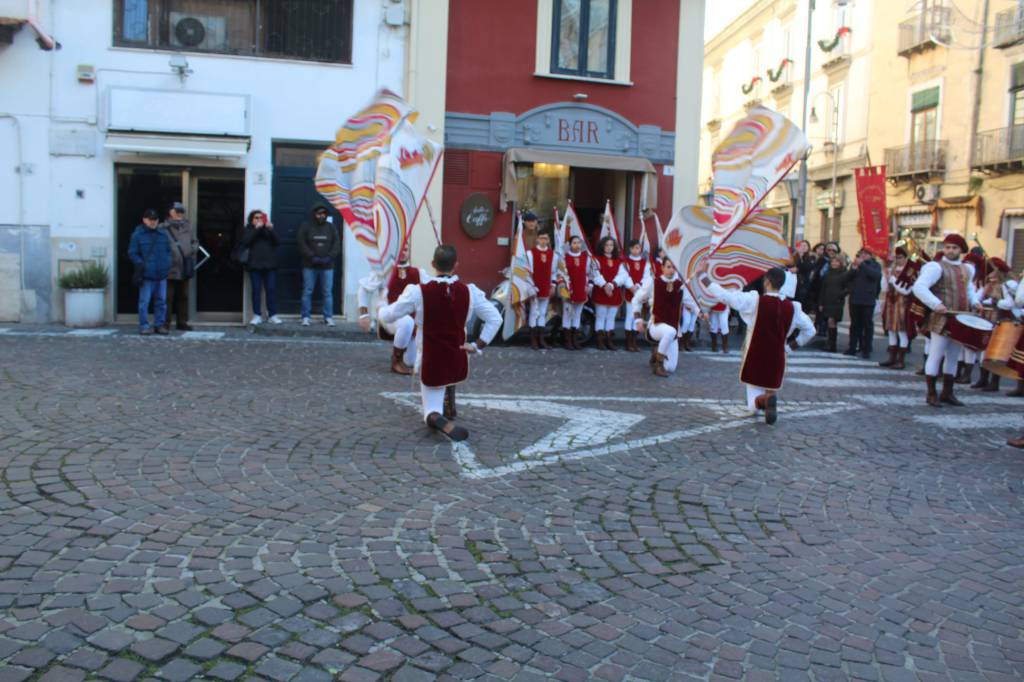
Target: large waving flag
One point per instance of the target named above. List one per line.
(560, 246)
(608, 227)
(571, 227)
(748, 163)
(520, 285)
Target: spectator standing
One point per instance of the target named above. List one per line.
(319, 245)
(805, 261)
(831, 299)
(864, 282)
(531, 229)
(150, 252)
(184, 247)
(259, 238)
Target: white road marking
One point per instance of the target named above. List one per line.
(203, 336)
(798, 361)
(92, 332)
(968, 399)
(974, 421)
(858, 383)
(858, 371)
(5, 330)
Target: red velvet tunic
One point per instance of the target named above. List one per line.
(445, 311)
(401, 278)
(656, 265)
(668, 302)
(635, 268)
(577, 266)
(764, 363)
(609, 268)
(542, 261)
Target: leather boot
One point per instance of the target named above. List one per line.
(924, 364)
(534, 342)
(659, 365)
(993, 384)
(542, 339)
(892, 357)
(901, 353)
(948, 381)
(575, 339)
(601, 341)
(982, 382)
(1016, 442)
(959, 371)
(567, 339)
(654, 356)
(609, 340)
(636, 343)
(631, 342)
(1017, 392)
(725, 343)
(449, 403)
(686, 341)
(398, 365)
(833, 340)
(965, 375)
(714, 343)
(933, 396)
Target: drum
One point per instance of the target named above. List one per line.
(970, 331)
(1005, 339)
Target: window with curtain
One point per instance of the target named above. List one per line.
(309, 30)
(924, 125)
(583, 38)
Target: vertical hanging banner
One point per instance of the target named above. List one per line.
(874, 230)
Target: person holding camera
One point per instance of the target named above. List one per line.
(184, 247)
(258, 243)
(150, 252)
(319, 244)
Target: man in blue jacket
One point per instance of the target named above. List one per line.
(150, 253)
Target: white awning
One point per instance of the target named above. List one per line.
(178, 145)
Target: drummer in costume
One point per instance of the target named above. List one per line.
(665, 293)
(403, 351)
(578, 265)
(771, 319)
(945, 285)
(969, 357)
(895, 311)
(609, 277)
(442, 306)
(544, 270)
(638, 268)
(997, 306)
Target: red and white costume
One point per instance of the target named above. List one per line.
(577, 266)
(441, 308)
(639, 270)
(950, 283)
(770, 319)
(608, 270)
(666, 296)
(388, 292)
(894, 310)
(718, 319)
(544, 270)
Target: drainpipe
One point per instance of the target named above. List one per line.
(44, 39)
(979, 75)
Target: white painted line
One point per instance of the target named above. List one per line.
(797, 361)
(969, 399)
(92, 332)
(859, 383)
(849, 371)
(973, 421)
(202, 336)
(5, 330)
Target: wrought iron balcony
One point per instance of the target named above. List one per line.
(921, 159)
(1009, 28)
(921, 33)
(1000, 149)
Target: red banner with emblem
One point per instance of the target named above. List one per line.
(874, 228)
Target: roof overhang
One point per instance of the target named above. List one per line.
(228, 147)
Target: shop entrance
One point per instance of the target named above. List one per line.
(214, 200)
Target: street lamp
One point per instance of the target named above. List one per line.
(793, 190)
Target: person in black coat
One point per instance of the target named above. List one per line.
(864, 282)
(259, 238)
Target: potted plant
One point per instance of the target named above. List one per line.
(84, 295)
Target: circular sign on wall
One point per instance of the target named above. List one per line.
(476, 215)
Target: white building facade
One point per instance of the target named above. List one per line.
(221, 104)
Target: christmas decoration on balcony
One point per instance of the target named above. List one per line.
(749, 87)
(828, 46)
(775, 75)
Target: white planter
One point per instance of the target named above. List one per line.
(83, 308)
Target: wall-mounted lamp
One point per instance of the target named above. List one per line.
(179, 66)
(580, 96)
(814, 115)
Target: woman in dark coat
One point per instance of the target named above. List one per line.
(260, 240)
(832, 297)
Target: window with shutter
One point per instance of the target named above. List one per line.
(1017, 257)
(456, 167)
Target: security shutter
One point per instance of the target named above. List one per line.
(925, 99)
(1017, 257)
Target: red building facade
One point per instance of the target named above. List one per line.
(555, 100)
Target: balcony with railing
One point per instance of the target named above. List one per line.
(925, 31)
(917, 160)
(1009, 28)
(999, 150)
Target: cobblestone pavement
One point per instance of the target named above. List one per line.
(261, 509)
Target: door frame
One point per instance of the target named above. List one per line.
(191, 176)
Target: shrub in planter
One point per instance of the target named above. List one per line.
(83, 295)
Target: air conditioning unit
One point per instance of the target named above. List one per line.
(198, 32)
(927, 194)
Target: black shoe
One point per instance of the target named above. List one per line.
(866, 355)
(850, 351)
(146, 331)
(446, 428)
(771, 410)
(162, 330)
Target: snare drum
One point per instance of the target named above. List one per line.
(970, 331)
(997, 355)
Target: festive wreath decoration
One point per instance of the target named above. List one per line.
(828, 46)
(750, 86)
(776, 74)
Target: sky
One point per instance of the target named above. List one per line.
(718, 14)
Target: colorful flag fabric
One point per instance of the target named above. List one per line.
(748, 163)
(519, 286)
(874, 228)
(754, 247)
(571, 227)
(608, 227)
(560, 247)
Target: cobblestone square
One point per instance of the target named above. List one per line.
(246, 508)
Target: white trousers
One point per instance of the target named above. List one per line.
(971, 357)
(943, 354)
(927, 344)
(752, 394)
(403, 329)
(433, 400)
(719, 322)
(572, 313)
(605, 315)
(899, 339)
(665, 336)
(538, 311)
(631, 312)
(689, 322)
